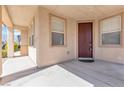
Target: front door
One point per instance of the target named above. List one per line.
(85, 48)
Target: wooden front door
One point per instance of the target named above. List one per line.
(85, 47)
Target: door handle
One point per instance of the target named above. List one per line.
(90, 49)
(90, 44)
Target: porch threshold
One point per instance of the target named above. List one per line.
(88, 60)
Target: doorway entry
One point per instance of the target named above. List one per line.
(85, 41)
(17, 42)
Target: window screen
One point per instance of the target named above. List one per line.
(57, 31)
(110, 30)
(57, 38)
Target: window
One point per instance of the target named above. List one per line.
(57, 27)
(110, 30)
(32, 33)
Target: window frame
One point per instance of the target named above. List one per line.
(50, 30)
(121, 33)
(32, 33)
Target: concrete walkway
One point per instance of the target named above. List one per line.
(52, 76)
(16, 64)
(71, 73)
(99, 73)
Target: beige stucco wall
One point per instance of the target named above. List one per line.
(32, 53)
(112, 54)
(32, 48)
(24, 42)
(46, 54)
(10, 39)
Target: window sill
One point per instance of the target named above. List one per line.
(110, 46)
(58, 45)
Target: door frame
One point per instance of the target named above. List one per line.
(93, 36)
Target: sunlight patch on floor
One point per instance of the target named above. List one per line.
(18, 53)
(13, 65)
(52, 76)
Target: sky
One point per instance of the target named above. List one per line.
(5, 31)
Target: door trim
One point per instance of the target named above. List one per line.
(93, 36)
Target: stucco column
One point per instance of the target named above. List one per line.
(24, 42)
(0, 41)
(10, 42)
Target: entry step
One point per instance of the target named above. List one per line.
(88, 60)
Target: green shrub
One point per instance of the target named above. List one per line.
(4, 53)
(6, 46)
(4, 50)
(16, 47)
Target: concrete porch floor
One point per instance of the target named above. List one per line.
(16, 64)
(98, 74)
(52, 76)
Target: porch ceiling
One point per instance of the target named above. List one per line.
(21, 15)
(86, 12)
